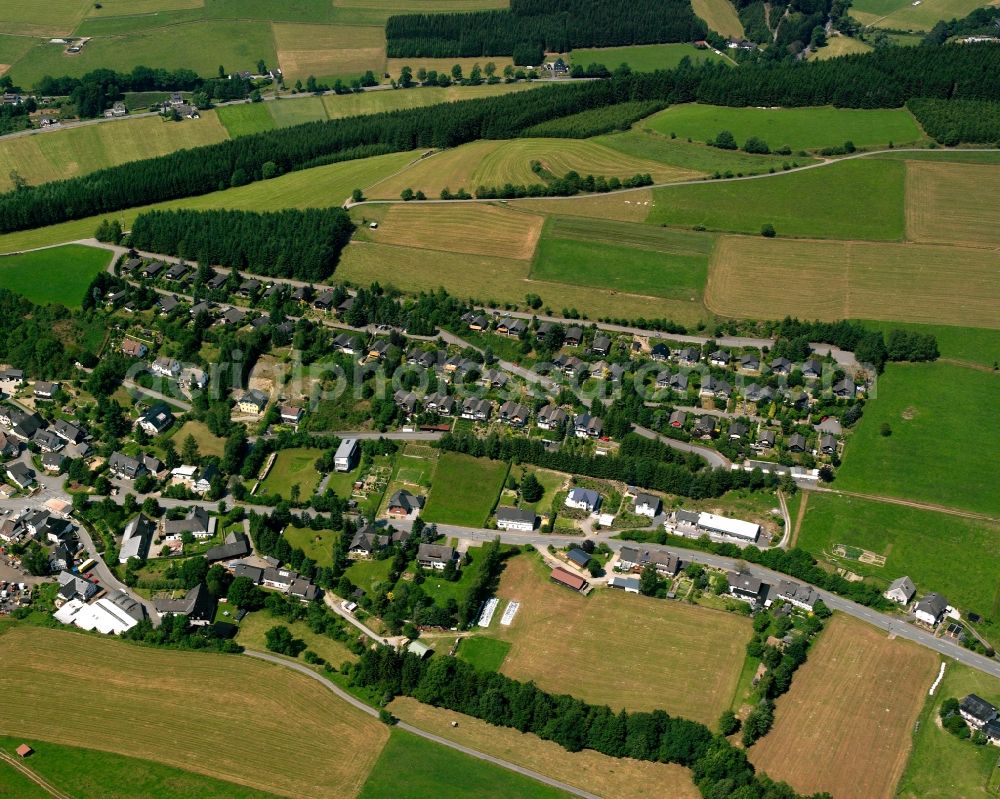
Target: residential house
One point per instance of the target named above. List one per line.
(166, 367)
(291, 414)
(720, 358)
(45, 390)
(157, 419)
(179, 273)
(406, 401)
(781, 366)
(574, 335)
(403, 503)
(550, 417)
(845, 389)
(136, 539)
(930, 609)
(197, 522)
(346, 456)
(133, 348)
(515, 519)
(53, 462)
(587, 426)
(977, 711)
(152, 269)
(601, 344)
(366, 542)
(254, 402)
(203, 307)
(744, 586)
(796, 443)
(765, 440)
(737, 431)
(344, 306)
(677, 419)
(689, 356)
(249, 287)
(477, 409)
(10, 375)
(378, 349)
(166, 303)
(901, 591)
(125, 467)
(198, 606)
(68, 432)
(749, 363)
(73, 586)
(678, 382)
(635, 558)
(647, 504)
(514, 413)
(439, 403)
(659, 352)
(324, 301)
(803, 597)
(494, 378)
(9, 447)
(712, 387)
(253, 573)
(346, 343)
(20, 475)
(47, 441)
(812, 369)
(583, 499)
(477, 322)
(435, 556)
(757, 393)
(705, 426)
(828, 445)
(511, 327)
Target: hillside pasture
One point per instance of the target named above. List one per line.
(845, 725)
(328, 51)
(905, 15)
(857, 199)
(59, 275)
(60, 154)
(464, 489)
(346, 105)
(837, 46)
(51, 18)
(247, 118)
(953, 204)
(918, 460)
(632, 206)
(650, 57)
(110, 8)
(478, 229)
(320, 187)
(620, 649)
(968, 345)
(720, 16)
(832, 280)
(200, 45)
(940, 552)
(605, 776)
(297, 112)
(799, 128)
(624, 257)
(11, 49)
(137, 697)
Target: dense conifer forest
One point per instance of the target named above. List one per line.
(952, 122)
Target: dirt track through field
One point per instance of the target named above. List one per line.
(40, 781)
(845, 725)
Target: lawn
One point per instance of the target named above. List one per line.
(413, 768)
(859, 199)
(317, 544)
(208, 444)
(365, 573)
(486, 654)
(320, 187)
(939, 450)
(958, 557)
(293, 467)
(130, 699)
(242, 120)
(91, 773)
(200, 45)
(845, 725)
(644, 57)
(624, 257)
(59, 275)
(833, 280)
(604, 776)
(60, 154)
(950, 203)
(798, 128)
(297, 111)
(255, 625)
(622, 650)
(941, 766)
(465, 490)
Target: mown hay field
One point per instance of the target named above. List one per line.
(838, 46)
(59, 154)
(328, 51)
(213, 709)
(477, 229)
(953, 203)
(843, 280)
(346, 105)
(845, 725)
(51, 18)
(633, 206)
(620, 649)
(451, 169)
(605, 776)
(110, 8)
(648, 57)
(720, 15)
(905, 15)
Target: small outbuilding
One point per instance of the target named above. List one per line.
(24, 751)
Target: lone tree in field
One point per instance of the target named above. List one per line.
(724, 141)
(768, 231)
(357, 196)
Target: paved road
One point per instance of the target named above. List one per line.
(136, 389)
(715, 458)
(892, 624)
(333, 601)
(357, 703)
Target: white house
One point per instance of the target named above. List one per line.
(930, 609)
(647, 504)
(901, 591)
(346, 456)
(515, 519)
(583, 499)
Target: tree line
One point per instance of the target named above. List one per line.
(568, 185)
(953, 122)
(868, 346)
(719, 769)
(982, 21)
(529, 29)
(596, 121)
(304, 244)
(881, 79)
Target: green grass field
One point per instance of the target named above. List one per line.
(464, 490)
(311, 188)
(941, 766)
(799, 128)
(365, 573)
(242, 120)
(60, 154)
(958, 557)
(297, 112)
(208, 444)
(54, 18)
(92, 774)
(293, 467)
(970, 344)
(255, 625)
(838, 46)
(720, 15)
(940, 450)
(904, 15)
(861, 199)
(317, 544)
(59, 275)
(201, 46)
(486, 654)
(413, 768)
(624, 257)
(644, 57)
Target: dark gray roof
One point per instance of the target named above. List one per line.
(578, 556)
(236, 545)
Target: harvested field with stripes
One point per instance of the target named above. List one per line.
(953, 203)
